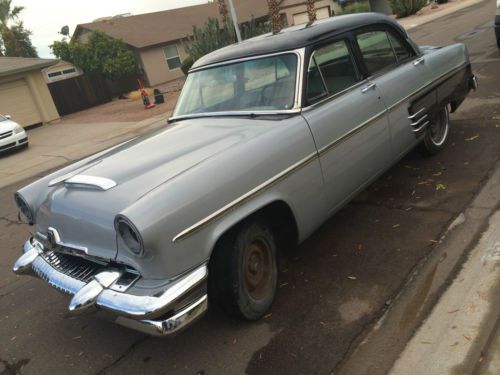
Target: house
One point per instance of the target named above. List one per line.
(157, 39)
(23, 92)
(61, 70)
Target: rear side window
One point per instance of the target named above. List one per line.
(376, 50)
(402, 50)
(331, 70)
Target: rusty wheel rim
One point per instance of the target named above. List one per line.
(257, 268)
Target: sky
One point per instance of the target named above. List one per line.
(46, 17)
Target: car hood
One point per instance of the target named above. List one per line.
(7, 125)
(85, 215)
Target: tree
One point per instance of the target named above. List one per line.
(17, 42)
(14, 40)
(311, 10)
(274, 15)
(101, 54)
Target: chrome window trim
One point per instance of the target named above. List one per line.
(298, 88)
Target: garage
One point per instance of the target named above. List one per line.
(17, 101)
(24, 95)
(321, 13)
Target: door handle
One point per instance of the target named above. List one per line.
(371, 86)
(418, 61)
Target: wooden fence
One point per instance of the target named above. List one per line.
(79, 93)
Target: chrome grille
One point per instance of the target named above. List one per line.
(5, 135)
(73, 266)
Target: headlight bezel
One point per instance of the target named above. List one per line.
(25, 210)
(129, 234)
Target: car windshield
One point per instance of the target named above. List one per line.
(261, 84)
(3, 118)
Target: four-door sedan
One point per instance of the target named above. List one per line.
(12, 135)
(269, 138)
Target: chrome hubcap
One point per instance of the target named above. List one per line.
(439, 128)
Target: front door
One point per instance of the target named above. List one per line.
(347, 118)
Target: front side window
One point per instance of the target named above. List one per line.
(172, 56)
(401, 49)
(376, 50)
(331, 70)
(260, 84)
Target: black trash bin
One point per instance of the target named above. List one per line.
(158, 96)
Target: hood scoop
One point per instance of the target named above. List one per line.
(92, 182)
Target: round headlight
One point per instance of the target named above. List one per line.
(129, 234)
(18, 129)
(24, 209)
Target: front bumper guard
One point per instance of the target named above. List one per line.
(152, 314)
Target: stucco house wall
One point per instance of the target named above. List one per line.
(154, 63)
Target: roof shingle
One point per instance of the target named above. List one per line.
(12, 65)
(151, 29)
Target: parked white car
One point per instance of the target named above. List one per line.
(12, 135)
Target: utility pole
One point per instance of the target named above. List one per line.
(235, 20)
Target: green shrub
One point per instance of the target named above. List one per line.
(403, 8)
(187, 63)
(354, 8)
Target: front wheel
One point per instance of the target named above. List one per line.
(243, 273)
(436, 133)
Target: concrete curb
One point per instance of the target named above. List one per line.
(388, 336)
(457, 332)
(412, 22)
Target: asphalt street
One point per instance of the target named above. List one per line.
(331, 289)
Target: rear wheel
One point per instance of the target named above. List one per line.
(243, 271)
(436, 133)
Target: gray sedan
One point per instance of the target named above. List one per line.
(269, 138)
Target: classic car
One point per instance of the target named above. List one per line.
(497, 24)
(269, 138)
(12, 135)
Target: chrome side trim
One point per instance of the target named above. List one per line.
(416, 114)
(91, 181)
(243, 198)
(272, 181)
(443, 77)
(354, 131)
(421, 127)
(416, 123)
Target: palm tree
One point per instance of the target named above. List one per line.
(274, 15)
(8, 13)
(311, 10)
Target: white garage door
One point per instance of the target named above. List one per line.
(16, 100)
(303, 18)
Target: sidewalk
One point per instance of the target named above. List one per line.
(443, 10)
(55, 145)
(461, 335)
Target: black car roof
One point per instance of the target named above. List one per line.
(295, 37)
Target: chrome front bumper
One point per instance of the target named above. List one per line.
(160, 314)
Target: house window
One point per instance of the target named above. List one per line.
(69, 71)
(55, 74)
(172, 57)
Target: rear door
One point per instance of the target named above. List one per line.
(347, 119)
(399, 72)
